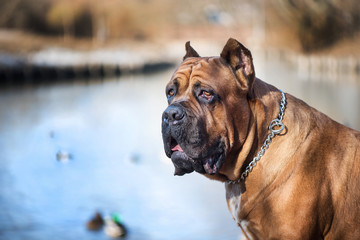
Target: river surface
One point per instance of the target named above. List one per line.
(107, 137)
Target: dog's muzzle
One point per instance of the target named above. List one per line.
(173, 115)
(185, 142)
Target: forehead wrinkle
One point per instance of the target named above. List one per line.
(181, 75)
(203, 77)
(223, 83)
(188, 71)
(185, 71)
(195, 67)
(182, 71)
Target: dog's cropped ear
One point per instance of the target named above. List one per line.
(190, 52)
(240, 60)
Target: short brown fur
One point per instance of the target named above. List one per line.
(306, 186)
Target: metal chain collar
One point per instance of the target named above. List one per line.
(276, 126)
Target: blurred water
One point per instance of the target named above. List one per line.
(112, 131)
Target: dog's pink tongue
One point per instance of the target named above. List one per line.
(177, 148)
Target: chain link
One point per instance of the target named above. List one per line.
(276, 126)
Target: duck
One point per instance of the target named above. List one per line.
(114, 227)
(63, 156)
(96, 223)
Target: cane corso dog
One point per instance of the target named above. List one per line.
(290, 172)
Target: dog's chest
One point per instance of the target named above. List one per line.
(234, 207)
(233, 198)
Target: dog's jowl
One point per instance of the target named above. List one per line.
(290, 172)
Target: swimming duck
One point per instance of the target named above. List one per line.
(63, 156)
(113, 227)
(96, 223)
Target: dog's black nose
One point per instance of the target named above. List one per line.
(173, 114)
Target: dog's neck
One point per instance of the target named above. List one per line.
(277, 163)
(276, 127)
(264, 107)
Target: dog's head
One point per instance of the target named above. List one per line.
(208, 114)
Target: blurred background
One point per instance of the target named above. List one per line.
(82, 90)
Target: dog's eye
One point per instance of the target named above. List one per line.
(207, 95)
(171, 92)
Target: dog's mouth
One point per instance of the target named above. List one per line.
(185, 164)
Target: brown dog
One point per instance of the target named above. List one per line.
(290, 172)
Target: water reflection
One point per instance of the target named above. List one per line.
(111, 130)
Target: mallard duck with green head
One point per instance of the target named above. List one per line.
(114, 227)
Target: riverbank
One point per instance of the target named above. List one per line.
(28, 59)
(57, 64)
